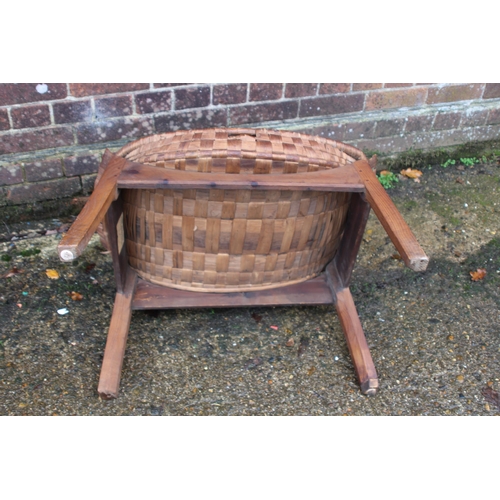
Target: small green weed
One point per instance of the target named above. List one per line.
(448, 162)
(6, 258)
(29, 252)
(469, 162)
(388, 179)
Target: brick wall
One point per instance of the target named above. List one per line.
(52, 135)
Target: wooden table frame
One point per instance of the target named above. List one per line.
(331, 287)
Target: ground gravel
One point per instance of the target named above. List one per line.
(434, 336)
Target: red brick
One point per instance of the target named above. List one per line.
(494, 117)
(446, 121)
(153, 102)
(113, 106)
(492, 91)
(30, 116)
(263, 112)
(395, 99)
(386, 144)
(79, 165)
(43, 170)
(86, 89)
(300, 89)
(474, 118)
(419, 123)
(366, 86)
(192, 97)
(332, 131)
(88, 182)
(160, 85)
(334, 88)
(454, 93)
(19, 93)
(233, 93)
(48, 190)
(397, 85)
(11, 174)
(386, 128)
(4, 120)
(266, 91)
(72, 111)
(357, 130)
(34, 140)
(203, 118)
(88, 133)
(320, 106)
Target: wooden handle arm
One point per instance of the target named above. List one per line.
(392, 221)
(80, 232)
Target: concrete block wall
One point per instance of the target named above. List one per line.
(52, 135)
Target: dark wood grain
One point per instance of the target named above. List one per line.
(392, 221)
(80, 232)
(109, 381)
(312, 292)
(139, 176)
(353, 332)
(116, 240)
(355, 224)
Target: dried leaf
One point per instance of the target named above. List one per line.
(290, 342)
(12, 272)
(383, 173)
(396, 256)
(478, 275)
(52, 274)
(311, 370)
(412, 174)
(75, 296)
(460, 181)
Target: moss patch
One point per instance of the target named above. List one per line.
(64, 207)
(419, 159)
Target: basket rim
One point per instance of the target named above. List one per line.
(349, 150)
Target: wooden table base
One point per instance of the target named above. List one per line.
(138, 294)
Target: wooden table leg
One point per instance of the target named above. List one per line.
(353, 332)
(109, 381)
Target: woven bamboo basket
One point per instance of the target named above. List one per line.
(216, 240)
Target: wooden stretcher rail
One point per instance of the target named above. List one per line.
(137, 176)
(312, 292)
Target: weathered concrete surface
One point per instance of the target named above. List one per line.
(434, 336)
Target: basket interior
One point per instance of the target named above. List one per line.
(240, 150)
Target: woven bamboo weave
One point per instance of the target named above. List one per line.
(234, 240)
